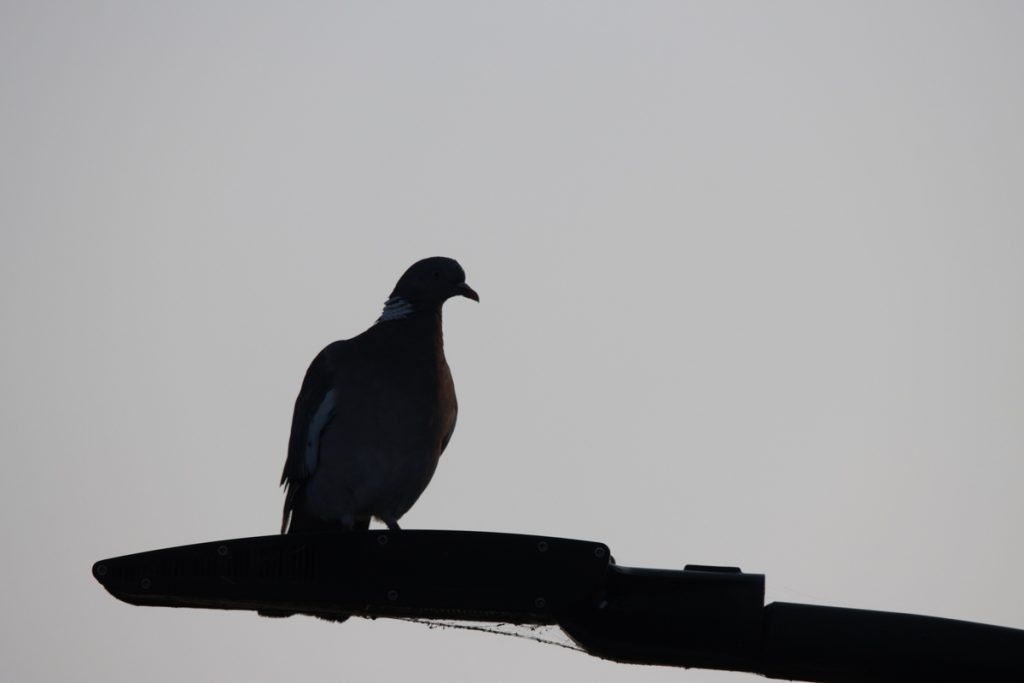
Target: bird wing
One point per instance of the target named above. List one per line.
(315, 407)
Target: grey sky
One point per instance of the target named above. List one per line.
(751, 279)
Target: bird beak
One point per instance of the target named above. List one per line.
(467, 291)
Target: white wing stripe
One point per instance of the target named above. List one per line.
(323, 415)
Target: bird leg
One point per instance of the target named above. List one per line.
(392, 523)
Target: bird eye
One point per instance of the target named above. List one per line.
(437, 274)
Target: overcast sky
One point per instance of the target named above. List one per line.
(751, 279)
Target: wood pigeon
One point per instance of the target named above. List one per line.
(375, 412)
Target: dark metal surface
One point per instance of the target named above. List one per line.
(839, 645)
(701, 616)
(425, 574)
(708, 617)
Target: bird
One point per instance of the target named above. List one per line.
(375, 412)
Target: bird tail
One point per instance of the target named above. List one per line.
(289, 506)
(296, 520)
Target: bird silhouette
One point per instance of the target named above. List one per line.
(375, 412)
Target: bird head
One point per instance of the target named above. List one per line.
(433, 281)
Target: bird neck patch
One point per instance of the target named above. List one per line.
(395, 308)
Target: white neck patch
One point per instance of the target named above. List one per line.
(395, 308)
